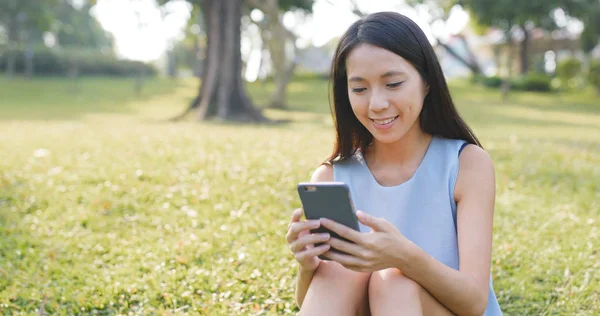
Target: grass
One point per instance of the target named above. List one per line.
(105, 208)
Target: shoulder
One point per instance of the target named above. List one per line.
(324, 173)
(474, 157)
(475, 169)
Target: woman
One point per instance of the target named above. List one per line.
(424, 187)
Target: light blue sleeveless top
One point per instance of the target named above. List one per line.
(422, 208)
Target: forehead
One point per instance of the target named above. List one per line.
(367, 59)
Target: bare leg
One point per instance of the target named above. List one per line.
(335, 290)
(392, 293)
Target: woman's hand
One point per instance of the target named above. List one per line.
(384, 247)
(301, 242)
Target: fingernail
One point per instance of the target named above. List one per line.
(325, 236)
(315, 223)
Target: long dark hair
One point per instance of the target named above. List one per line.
(400, 35)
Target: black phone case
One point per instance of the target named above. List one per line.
(330, 200)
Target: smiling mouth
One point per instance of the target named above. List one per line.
(385, 121)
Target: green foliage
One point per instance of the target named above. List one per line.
(568, 69)
(532, 82)
(594, 74)
(507, 13)
(32, 16)
(589, 13)
(128, 216)
(570, 73)
(537, 82)
(78, 28)
(88, 62)
(492, 82)
(304, 5)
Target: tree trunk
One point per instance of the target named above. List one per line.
(29, 65)
(171, 63)
(275, 38)
(11, 62)
(473, 66)
(11, 52)
(139, 81)
(276, 42)
(284, 66)
(506, 82)
(472, 57)
(279, 96)
(226, 80)
(524, 51)
(221, 93)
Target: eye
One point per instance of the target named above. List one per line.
(395, 84)
(358, 90)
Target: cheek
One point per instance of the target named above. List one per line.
(359, 107)
(412, 102)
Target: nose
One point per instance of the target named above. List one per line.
(379, 102)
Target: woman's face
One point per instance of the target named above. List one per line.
(386, 92)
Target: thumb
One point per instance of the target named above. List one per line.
(377, 224)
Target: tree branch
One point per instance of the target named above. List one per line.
(353, 7)
(259, 4)
(356, 10)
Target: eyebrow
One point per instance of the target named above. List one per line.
(387, 74)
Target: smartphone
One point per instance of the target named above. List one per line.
(330, 200)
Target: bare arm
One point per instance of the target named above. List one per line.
(323, 174)
(464, 292)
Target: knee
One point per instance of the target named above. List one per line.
(336, 290)
(326, 268)
(393, 282)
(335, 273)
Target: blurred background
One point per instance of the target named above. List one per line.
(545, 46)
(150, 149)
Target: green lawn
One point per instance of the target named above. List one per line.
(106, 208)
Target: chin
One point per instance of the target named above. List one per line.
(389, 138)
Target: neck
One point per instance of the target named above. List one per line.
(407, 151)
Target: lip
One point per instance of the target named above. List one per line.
(384, 126)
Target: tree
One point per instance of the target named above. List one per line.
(590, 16)
(221, 93)
(189, 51)
(275, 37)
(24, 21)
(439, 11)
(523, 15)
(75, 27)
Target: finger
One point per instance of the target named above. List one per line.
(347, 247)
(358, 268)
(304, 233)
(297, 215)
(342, 230)
(297, 227)
(344, 259)
(376, 223)
(304, 241)
(312, 252)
